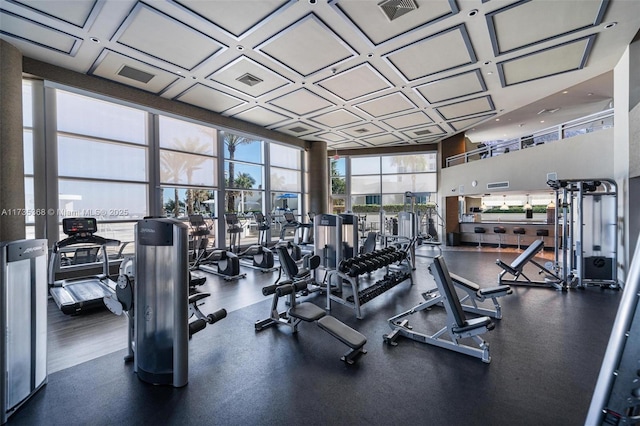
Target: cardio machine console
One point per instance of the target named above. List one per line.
(83, 226)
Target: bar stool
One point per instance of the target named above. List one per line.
(499, 230)
(542, 233)
(519, 231)
(479, 230)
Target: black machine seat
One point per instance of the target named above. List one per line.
(290, 266)
(515, 268)
(342, 332)
(462, 325)
(481, 293)
(307, 311)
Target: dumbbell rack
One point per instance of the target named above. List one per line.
(349, 270)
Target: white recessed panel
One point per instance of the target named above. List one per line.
(385, 105)
(408, 120)
(301, 102)
(154, 33)
(440, 52)
(566, 57)
(208, 98)
(38, 34)
(369, 17)
(465, 108)
(355, 82)
(337, 118)
(307, 46)
(459, 125)
(75, 12)
(452, 87)
(261, 116)
(527, 23)
(110, 65)
(233, 16)
(387, 139)
(265, 79)
(330, 137)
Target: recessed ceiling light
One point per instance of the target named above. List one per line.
(240, 47)
(369, 55)
(610, 25)
(589, 94)
(565, 92)
(95, 39)
(473, 12)
(489, 72)
(497, 119)
(194, 77)
(486, 62)
(542, 121)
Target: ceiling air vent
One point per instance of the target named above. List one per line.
(393, 9)
(135, 74)
(498, 185)
(361, 130)
(249, 80)
(298, 129)
(422, 132)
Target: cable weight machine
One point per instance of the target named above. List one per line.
(586, 221)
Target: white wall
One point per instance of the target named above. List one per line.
(581, 157)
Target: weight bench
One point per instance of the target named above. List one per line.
(516, 269)
(309, 312)
(477, 294)
(458, 326)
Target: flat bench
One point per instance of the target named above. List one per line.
(516, 269)
(309, 312)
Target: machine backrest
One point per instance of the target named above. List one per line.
(445, 284)
(287, 262)
(527, 255)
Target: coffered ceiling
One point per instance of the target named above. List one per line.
(352, 73)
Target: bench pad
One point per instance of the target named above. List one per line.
(473, 324)
(342, 332)
(307, 311)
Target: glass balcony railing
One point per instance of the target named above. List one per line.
(588, 124)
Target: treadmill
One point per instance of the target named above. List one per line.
(84, 292)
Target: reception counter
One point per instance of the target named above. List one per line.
(509, 238)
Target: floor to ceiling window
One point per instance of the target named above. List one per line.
(102, 163)
(285, 179)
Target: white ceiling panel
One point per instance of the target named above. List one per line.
(301, 102)
(331, 137)
(460, 125)
(555, 19)
(75, 12)
(261, 116)
(385, 105)
(307, 47)
(418, 118)
(249, 77)
(208, 98)
(383, 140)
(355, 82)
(336, 118)
(440, 52)
(456, 86)
(111, 65)
(18, 27)
(233, 16)
(370, 17)
(157, 34)
(465, 108)
(545, 63)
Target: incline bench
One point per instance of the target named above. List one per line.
(517, 266)
(477, 294)
(457, 325)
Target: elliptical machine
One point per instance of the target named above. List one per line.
(261, 257)
(215, 261)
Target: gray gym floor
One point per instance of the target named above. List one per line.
(545, 358)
